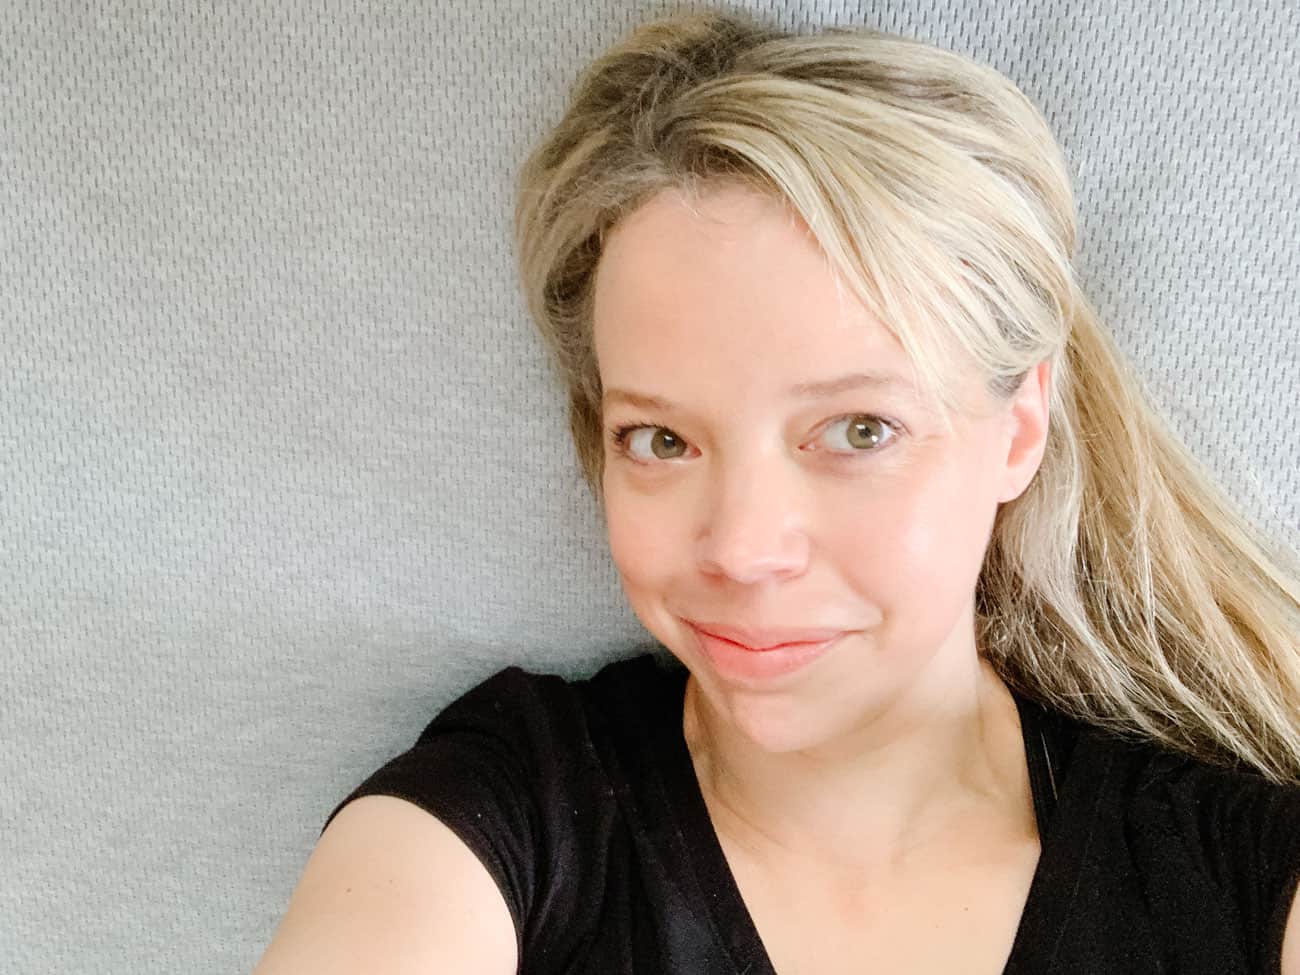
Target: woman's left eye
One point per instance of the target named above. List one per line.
(864, 433)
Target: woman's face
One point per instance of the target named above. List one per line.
(741, 501)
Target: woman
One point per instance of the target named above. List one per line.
(974, 669)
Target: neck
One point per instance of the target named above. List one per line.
(941, 758)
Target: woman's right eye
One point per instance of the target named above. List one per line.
(661, 442)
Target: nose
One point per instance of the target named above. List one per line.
(754, 523)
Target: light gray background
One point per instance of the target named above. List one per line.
(284, 468)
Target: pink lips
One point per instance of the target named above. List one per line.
(766, 639)
(743, 663)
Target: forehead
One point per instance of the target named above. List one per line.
(730, 282)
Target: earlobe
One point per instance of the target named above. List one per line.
(1029, 417)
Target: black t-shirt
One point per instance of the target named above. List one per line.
(581, 800)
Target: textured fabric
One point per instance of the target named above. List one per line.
(581, 800)
(283, 467)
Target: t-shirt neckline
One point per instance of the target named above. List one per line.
(1065, 823)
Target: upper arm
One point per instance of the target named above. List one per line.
(1291, 941)
(390, 889)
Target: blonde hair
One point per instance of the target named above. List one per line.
(1122, 586)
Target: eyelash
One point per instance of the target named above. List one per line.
(619, 436)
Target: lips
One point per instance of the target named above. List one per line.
(766, 638)
(769, 669)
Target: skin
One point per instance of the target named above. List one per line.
(765, 511)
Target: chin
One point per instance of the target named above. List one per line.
(775, 723)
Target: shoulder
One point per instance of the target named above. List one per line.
(517, 698)
(1209, 805)
(1152, 778)
(523, 749)
(547, 712)
(514, 767)
(1199, 834)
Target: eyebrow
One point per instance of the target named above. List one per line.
(805, 390)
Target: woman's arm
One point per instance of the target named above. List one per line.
(1291, 941)
(390, 889)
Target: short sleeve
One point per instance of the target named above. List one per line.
(1247, 831)
(499, 766)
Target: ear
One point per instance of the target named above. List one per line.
(1027, 419)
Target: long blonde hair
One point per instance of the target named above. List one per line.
(1122, 586)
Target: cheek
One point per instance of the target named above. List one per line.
(641, 545)
(918, 545)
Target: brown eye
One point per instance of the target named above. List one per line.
(864, 432)
(664, 444)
